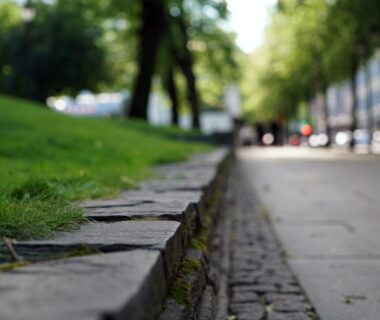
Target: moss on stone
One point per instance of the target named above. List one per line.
(199, 243)
(180, 291)
(83, 250)
(190, 266)
(12, 266)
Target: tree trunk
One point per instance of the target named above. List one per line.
(368, 102)
(185, 62)
(153, 23)
(326, 115)
(354, 93)
(172, 91)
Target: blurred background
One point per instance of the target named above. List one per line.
(286, 72)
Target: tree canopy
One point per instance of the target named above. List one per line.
(64, 46)
(309, 45)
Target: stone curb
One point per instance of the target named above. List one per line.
(126, 257)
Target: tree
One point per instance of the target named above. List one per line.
(56, 51)
(152, 19)
(180, 22)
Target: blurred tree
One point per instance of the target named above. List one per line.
(53, 51)
(184, 30)
(10, 15)
(152, 25)
(69, 45)
(363, 38)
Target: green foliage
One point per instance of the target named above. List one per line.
(48, 160)
(199, 243)
(190, 266)
(37, 217)
(309, 45)
(5, 267)
(56, 51)
(213, 49)
(180, 291)
(10, 16)
(81, 250)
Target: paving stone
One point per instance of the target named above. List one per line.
(160, 235)
(282, 306)
(259, 288)
(254, 311)
(291, 298)
(211, 158)
(286, 302)
(84, 288)
(243, 288)
(136, 197)
(243, 296)
(276, 280)
(288, 316)
(183, 172)
(174, 185)
(154, 234)
(141, 207)
(169, 211)
(290, 289)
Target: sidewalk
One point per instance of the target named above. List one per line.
(325, 208)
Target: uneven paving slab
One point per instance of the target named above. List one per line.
(161, 197)
(146, 234)
(131, 283)
(175, 185)
(186, 172)
(135, 198)
(212, 158)
(165, 236)
(170, 211)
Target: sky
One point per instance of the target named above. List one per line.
(248, 20)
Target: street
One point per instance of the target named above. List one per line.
(325, 209)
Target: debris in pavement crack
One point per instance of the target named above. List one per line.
(12, 251)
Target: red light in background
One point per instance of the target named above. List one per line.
(307, 130)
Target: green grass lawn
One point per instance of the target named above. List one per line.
(48, 161)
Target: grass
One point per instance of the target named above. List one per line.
(49, 161)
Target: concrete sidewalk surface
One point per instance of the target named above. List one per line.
(325, 208)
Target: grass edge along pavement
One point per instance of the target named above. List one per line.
(50, 161)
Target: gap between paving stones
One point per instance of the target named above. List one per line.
(132, 283)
